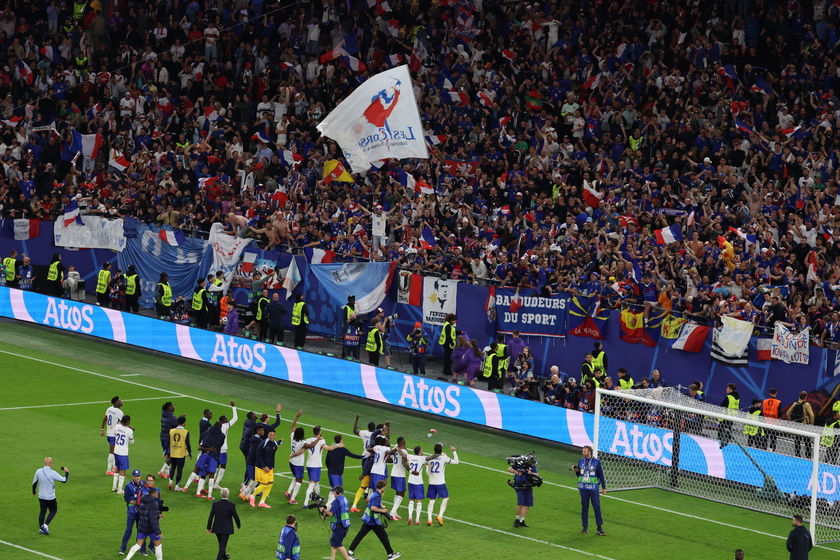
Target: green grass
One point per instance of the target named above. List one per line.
(36, 365)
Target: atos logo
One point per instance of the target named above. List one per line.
(427, 398)
(649, 446)
(228, 352)
(72, 318)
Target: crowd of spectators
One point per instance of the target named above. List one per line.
(717, 117)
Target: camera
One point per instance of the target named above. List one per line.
(524, 463)
(316, 501)
(162, 508)
(393, 317)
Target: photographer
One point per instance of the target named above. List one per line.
(528, 389)
(418, 345)
(551, 388)
(288, 544)
(387, 326)
(339, 510)
(372, 520)
(351, 337)
(524, 467)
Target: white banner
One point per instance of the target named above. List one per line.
(439, 299)
(378, 120)
(791, 348)
(96, 233)
(227, 250)
(735, 336)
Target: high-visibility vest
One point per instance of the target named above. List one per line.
(347, 311)
(753, 430)
(52, 275)
(732, 403)
(584, 375)
(102, 281)
(827, 439)
(198, 300)
(297, 314)
(635, 142)
(79, 9)
(130, 284)
(598, 361)
(447, 336)
(178, 443)
(624, 385)
(166, 298)
(490, 369)
(374, 343)
(500, 352)
(261, 307)
(9, 263)
(81, 61)
(770, 408)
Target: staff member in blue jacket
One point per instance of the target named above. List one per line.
(132, 495)
(372, 521)
(288, 545)
(590, 476)
(339, 510)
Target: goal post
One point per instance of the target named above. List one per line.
(663, 438)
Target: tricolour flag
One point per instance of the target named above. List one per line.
(210, 114)
(120, 162)
(743, 127)
(692, 337)
(436, 139)
(334, 171)
(729, 71)
(249, 257)
(21, 230)
(14, 121)
(24, 73)
(764, 346)
(71, 213)
(591, 196)
(52, 54)
(174, 238)
(456, 97)
(420, 50)
(353, 63)
(427, 238)
(797, 132)
(384, 101)
(484, 98)
(290, 158)
(593, 81)
(86, 144)
(292, 278)
(205, 182)
(261, 136)
(503, 121)
(670, 234)
(318, 256)
(748, 238)
(93, 111)
(410, 288)
(761, 86)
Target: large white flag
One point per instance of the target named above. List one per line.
(440, 298)
(377, 121)
(735, 335)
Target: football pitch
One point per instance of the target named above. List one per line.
(56, 387)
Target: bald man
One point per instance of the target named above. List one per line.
(43, 485)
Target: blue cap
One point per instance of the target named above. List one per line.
(135, 472)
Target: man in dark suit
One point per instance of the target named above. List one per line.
(222, 515)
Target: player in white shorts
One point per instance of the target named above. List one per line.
(398, 484)
(296, 459)
(226, 424)
(416, 492)
(437, 480)
(381, 453)
(314, 461)
(123, 437)
(109, 423)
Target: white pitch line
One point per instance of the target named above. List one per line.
(30, 550)
(130, 375)
(462, 462)
(494, 530)
(79, 403)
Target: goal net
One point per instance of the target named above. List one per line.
(663, 438)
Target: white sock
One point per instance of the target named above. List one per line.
(292, 486)
(330, 498)
(200, 487)
(431, 508)
(121, 482)
(443, 506)
(397, 501)
(418, 511)
(219, 474)
(410, 509)
(159, 551)
(250, 488)
(111, 462)
(132, 551)
(192, 477)
(296, 490)
(211, 483)
(309, 490)
(164, 469)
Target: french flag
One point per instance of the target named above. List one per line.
(503, 121)
(427, 238)
(457, 97)
(670, 234)
(764, 348)
(249, 257)
(748, 237)
(24, 72)
(287, 66)
(509, 54)
(205, 182)
(211, 114)
(174, 238)
(826, 232)
(87, 144)
(93, 111)
(261, 137)
(436, 139)
(396, 60)
(729, 71)
(761, 86)
(591, 196)
(798, 132)
(353, 63)
(743, 127)
(290, 158)
(71, 213)
(484, 98)
(417, 185)
(318, 256)
(120, 162)
(52, 54)
(14, 121)
(165, 106)
(593, 81)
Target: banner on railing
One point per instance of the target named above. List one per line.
(530, 314)
(440, 298)
(790, 347)
(96, 233)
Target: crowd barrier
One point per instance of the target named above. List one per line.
(456, 402)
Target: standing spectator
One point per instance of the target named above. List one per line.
(211, 35)
(288, 544)
(132, 290)
(148, 525)
(300, 321)
(372, 521)
(55, 276)
(656, 380)
(447, 340)
(590, 475)
(801, 413)
(799, 542)
(222, 515)
(418, 345)
(276, 312)
(43, 486)
(375, 342)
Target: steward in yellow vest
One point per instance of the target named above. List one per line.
(103, 283)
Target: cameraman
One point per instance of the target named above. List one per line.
(372, 520)
(551, 388)
(418, 345)
(388, 324)
(288, 544)
(339, 510)
(524, 491)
